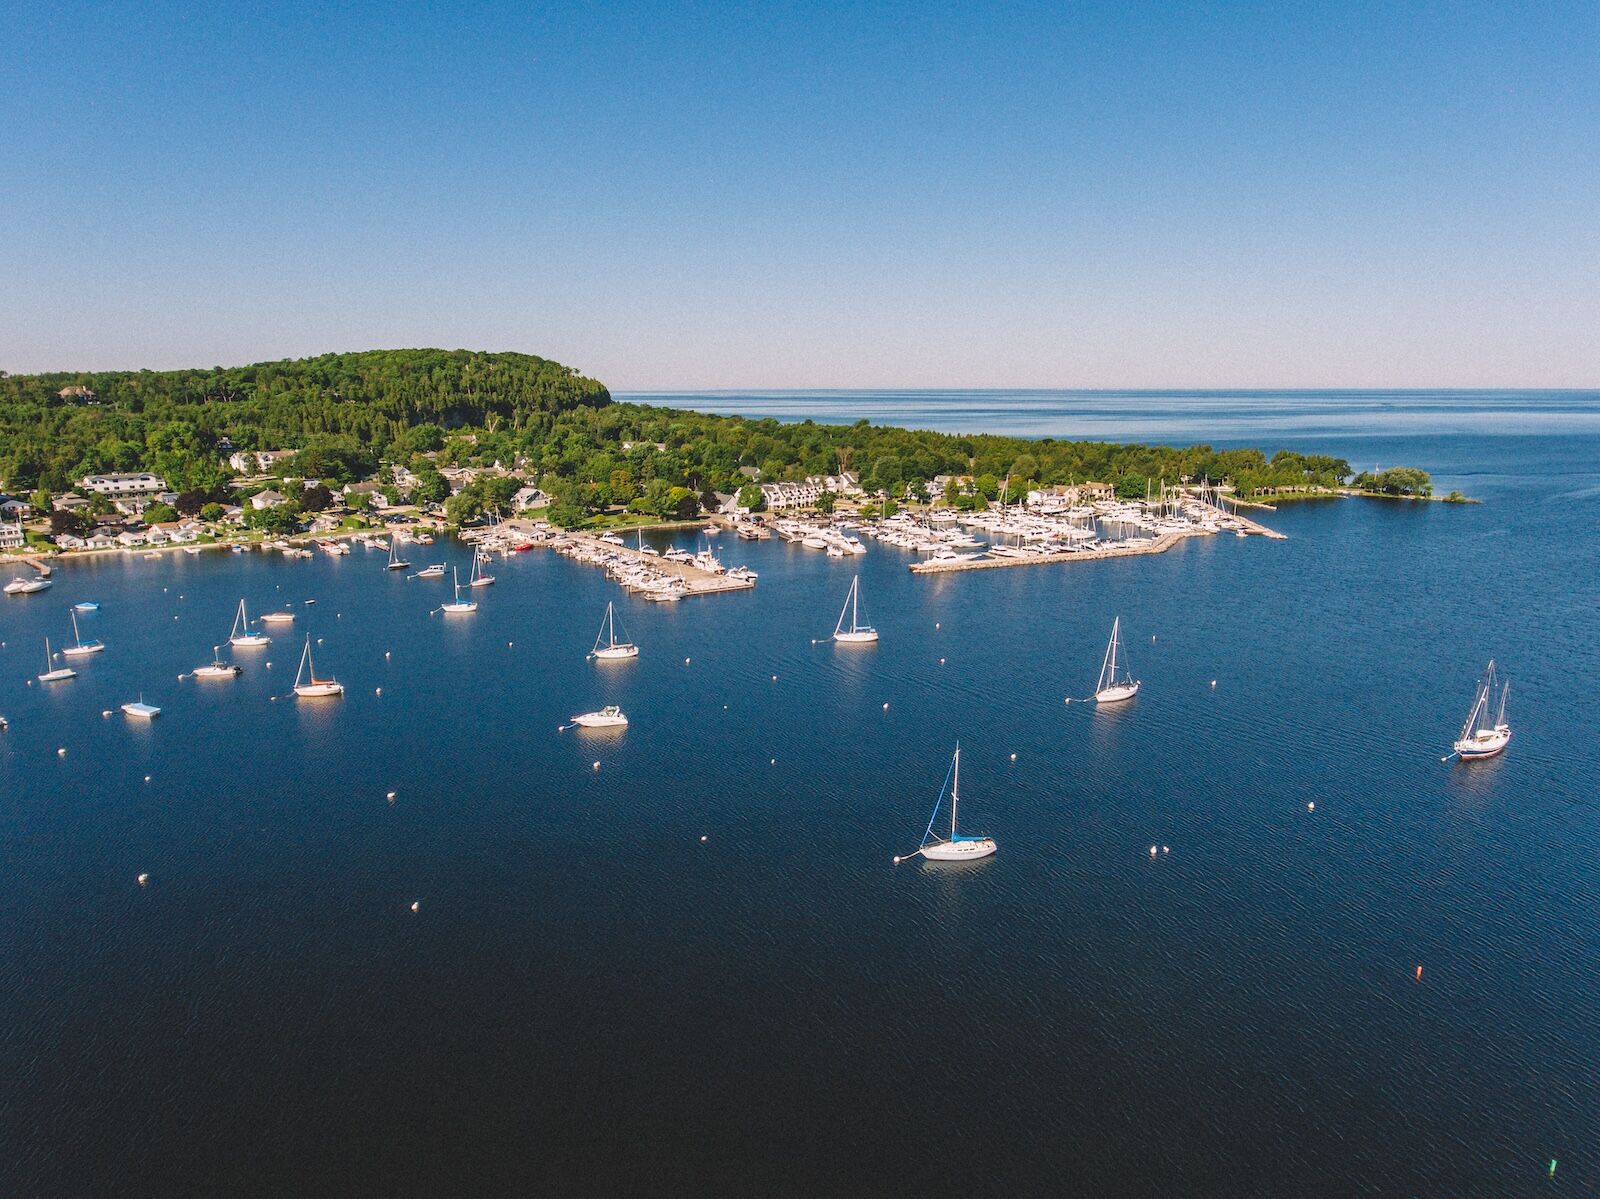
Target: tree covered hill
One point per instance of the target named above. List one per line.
(55, 428)
(347, 413)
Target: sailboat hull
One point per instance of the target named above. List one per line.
(82, 651)
(250, 641)
(965, 850)
(616, 653)
(1117, 694)
(1487, 744)
(859, 637)
(458, 608)
(56, 676)
(318, 690)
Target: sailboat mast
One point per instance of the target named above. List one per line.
(76, 636)
(855, 601)
(611, 625)
(955, 792)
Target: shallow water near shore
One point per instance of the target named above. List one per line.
(590, 998)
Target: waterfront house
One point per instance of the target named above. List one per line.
(12, 537)
(129, 538)
(529, 497)
(142, 483)
(263, 500)
(101, 538)
(69, 501)
(11, 505)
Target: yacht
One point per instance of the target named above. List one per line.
(609, 717)
(1481, 736)
(957, 847)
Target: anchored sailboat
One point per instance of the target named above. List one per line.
(1480, 736)
(1116, 683)
(217, 668)
(241, 635)
(82, 648)
(479, 579)
(857, 633)
(957, 848)
(307, 684)
(612, 650)
(396, 562)
(458, 606)
(53, 673)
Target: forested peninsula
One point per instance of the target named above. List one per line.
(347, 415)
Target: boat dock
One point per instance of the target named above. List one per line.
(1159, 545)
(686, 578)
(1201, 508)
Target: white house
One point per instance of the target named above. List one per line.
(258, 461)
(266, 499)
(12, 537)
(139, 484)
(529, 497)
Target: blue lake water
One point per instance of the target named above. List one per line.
(590, 999)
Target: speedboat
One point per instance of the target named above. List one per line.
(217, 668)
(141, 710)
(20, 586)
(609, 717)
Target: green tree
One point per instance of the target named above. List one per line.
(40, 500)
(825, 502)
(211, 512)
(752, 499)
(160, 514)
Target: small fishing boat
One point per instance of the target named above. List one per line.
(396, 562)
(609, 717)
(459, 606)
(20, 586)
(241, 635)
(278, 618)
(217, 668)
(81, 648)
(612, 650)
(87, 606)
(1115, 683)
(857, 633)
(141, 710)
(1480, 736)
(479, 579)
(306, 683)
(436, 571)
(957, 847)
(52, 672)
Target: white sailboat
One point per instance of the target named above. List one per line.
(957, 847)
(396, 562)
(459, 606)
(83, 648)
(857, 633)
(1480, 736)
(53, 673)
(479, 579)
(1116, 683)
(217, 668)
(240, 635)
(606, 646)
(609, 717)
(306, 683)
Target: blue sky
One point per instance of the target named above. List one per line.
(721, 196)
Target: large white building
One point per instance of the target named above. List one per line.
(143, 483)
(258, 461)
(804, 495)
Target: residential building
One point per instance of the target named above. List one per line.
(266, 499)
(12, 537)
(529, 497)
(258, 462)
(142, 483)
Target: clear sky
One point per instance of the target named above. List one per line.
(872, 195)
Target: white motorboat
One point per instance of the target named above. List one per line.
(1480, 736)
(306, 683)
(609, 717)
(857, 633)
(81, 648)
(277, 618)
(606, 646)
(141, 710)
(436, 571)
(52, 672)
(20, 586)
(458, 606)
(217, 668)
(958, 847)
(1115, 683)
(87, 606)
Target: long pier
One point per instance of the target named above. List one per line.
(698, 582)
(1159, 545)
